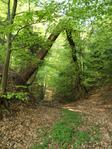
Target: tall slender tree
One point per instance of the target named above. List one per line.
(10, 19)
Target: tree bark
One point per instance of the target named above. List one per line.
(40, 54)
(6, 65)
(13, 76)
(23, 77)
(72, 44)
(10, 17)
(80, 88)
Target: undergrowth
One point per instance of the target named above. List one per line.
(66, 133)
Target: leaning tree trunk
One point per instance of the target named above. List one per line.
(41, 54)
(79, 87)
(23, 77)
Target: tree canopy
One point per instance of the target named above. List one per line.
(63, 46)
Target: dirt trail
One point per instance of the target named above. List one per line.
(19, 130)
(98, 110)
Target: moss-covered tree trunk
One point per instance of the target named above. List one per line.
(79, 87)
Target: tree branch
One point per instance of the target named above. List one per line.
(20, 29)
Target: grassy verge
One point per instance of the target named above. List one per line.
(67, 133)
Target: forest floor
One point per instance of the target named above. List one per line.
(24, 126)
(97, 109)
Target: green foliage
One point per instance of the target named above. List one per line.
(22, 96)
(90, 23)
(61, 133)
(72, 118)
(60, 70)
(82, 137)
(66, 132)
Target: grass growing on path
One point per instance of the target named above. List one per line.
(67, 133)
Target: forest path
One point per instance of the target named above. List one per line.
(98, 110)
(23, 128)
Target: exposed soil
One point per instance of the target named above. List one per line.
(19, 130)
